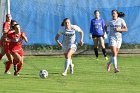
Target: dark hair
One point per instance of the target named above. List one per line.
(120, 14)
(7, 16)
(63, 23)
(12, 24)
(96, 11)
(15, 26)
(12, 21)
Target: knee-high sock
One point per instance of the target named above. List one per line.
(8, 65)
(70, 61)
(67, 63)
(104, 52)
(114, 59)
(15, 65)
(96, 51)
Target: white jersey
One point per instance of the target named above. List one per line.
(118, 23)
(69, 36)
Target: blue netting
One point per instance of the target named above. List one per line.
(40, 19)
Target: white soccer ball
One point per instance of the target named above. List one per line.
(43, 73)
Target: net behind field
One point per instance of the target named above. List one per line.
(41, 19)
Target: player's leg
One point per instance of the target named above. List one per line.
(103, 47)
(114, 58)
(8, 63)
(68, 60)
(17, 59)
(18, 64)
(2, 53)
(16, 56)
(112, 42)
(19, 67)
(95, 40)
(71, 67)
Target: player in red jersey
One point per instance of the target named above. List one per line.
(5, 45)
(15, 47)
(6, 28)
(7, 51)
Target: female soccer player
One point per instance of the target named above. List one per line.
(69, 42)
(97, 33)
(7, 51)
(6, 28)
(117, 26)
(15, 47)
(5, 45)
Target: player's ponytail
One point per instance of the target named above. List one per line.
(63, 23)
(120, 14)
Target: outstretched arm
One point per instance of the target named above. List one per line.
(25, 38)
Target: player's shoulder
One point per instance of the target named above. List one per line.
(92, 20)
(120, 19)
(101, 19)
(22, 33)
(74, 26)
(5, 23)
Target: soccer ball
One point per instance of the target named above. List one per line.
(43, 73)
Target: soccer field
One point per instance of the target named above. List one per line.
(90, 76)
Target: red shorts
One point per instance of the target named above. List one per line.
(20, 52)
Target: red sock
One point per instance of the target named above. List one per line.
(19, 67)
(1, 56)
(8, 65)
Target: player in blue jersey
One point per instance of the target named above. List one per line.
(117, 26)
(68, 31)
(97, 33)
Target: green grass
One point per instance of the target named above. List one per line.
(90, 76)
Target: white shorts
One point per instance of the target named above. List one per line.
(72, 46)
(115, 42)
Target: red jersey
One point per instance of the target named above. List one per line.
(6, 26)
(16, 41)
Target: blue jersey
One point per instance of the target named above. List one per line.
(97, 27)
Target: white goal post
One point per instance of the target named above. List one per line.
(4, 9)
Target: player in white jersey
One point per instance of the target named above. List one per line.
(117, 26)
(69, 42)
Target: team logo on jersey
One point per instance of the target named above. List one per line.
(115, 26)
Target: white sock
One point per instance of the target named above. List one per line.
(67, 63)
(70, 61)
(114, 59)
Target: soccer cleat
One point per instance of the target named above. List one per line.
(106, 58)
(8, 72)
(72, 68)
(16, 74)
(64, 74)
(116, 70)
(108, 67)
